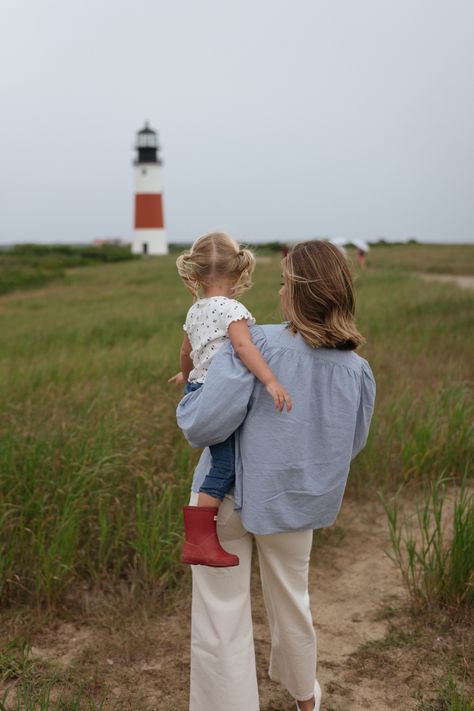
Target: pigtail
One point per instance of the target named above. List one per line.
(244, 266)
(246, 261)
(185, 266)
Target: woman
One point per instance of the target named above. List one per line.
(291, 471)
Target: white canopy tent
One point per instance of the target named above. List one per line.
(341, 243)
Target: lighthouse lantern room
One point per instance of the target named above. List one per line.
(149, 235)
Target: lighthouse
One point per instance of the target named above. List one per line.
(149, 235)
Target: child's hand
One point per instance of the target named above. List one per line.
(178, 380)
(280, 395)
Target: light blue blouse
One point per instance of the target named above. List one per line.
(291, 467)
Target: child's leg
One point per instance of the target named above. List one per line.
(221, 476)
(202, 546)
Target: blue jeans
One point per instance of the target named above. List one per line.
(221, 477)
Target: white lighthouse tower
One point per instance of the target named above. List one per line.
(149, 235)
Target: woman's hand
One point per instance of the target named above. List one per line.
(280, 396)
(178, 380)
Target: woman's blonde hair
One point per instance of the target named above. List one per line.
(319, 297)
(215, 256)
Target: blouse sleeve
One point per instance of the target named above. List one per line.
(235, 311)
(204, 415)
(366, 409)
(189, 321)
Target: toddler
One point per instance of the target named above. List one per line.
(215, 270)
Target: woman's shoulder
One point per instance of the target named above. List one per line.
(279, 337)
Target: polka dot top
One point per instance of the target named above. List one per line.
(206, 324)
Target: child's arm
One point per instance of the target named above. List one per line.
(249, 354)
(185, 362)
(185, 357)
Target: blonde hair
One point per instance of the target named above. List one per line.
(319, 296)
(215, 256)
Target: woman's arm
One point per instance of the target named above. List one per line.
(366, 409)
(249, 354)
(210, 414)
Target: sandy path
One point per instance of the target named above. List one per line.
(351, 586)
(142, 661)
(352, 580)
(465, 282)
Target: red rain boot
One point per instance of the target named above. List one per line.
(201, 545)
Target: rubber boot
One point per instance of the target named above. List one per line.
(201, 544)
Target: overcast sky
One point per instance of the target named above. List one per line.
(279, 120)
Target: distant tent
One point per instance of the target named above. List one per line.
(340, 243)
(360, 244)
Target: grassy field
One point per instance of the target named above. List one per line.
(93, 469)
(30, 266)
(429, 258)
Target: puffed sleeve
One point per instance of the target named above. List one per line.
(213, 412)
(186, 323)
(233, 310)
(366, 408)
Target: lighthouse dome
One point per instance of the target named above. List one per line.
(147, 145)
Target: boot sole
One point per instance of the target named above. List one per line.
(209, 564)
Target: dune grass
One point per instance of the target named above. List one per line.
(93, 469)
(433, 550)
(33, 686)
(450, 697)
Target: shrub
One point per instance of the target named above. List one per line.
(436, 559)
(27, 266)
(450, 698)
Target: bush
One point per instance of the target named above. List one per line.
(450, 698)
(27, 266)
(436, 559)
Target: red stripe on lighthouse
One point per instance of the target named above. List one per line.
(148, 210)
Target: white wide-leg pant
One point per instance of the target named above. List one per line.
(223, 674)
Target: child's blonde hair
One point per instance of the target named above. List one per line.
(215, 256)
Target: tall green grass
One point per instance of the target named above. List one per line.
(29, 698)
(415, 436)
(88, 518)
(29, 685)
(450, 698)
(93, 471)
(434, 549)
(421, 355)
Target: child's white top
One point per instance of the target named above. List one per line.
(206, 325)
